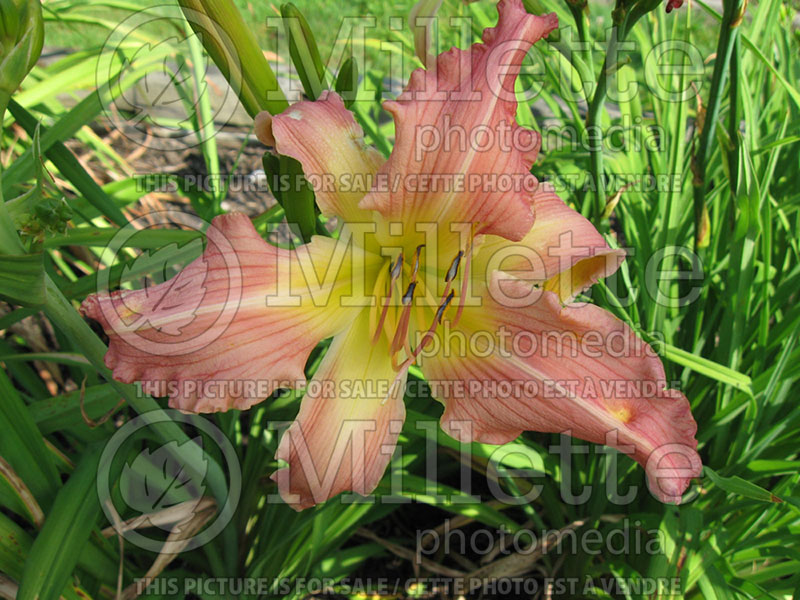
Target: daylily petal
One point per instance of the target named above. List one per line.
(456, 123)
(325, 138)
(577, 370)
(563, 251)
(348, 424)
(224, 333)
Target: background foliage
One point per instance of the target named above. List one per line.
(69, 181)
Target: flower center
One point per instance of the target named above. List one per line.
(397, 316)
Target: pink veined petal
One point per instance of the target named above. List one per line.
(563, 251)
(348, 424)
(456, 121)
(576, 370)
(325, 138)
(224, 333)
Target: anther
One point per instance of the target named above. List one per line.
(437, 320)
(453, 270)
(394, 272)
(443, 306)
(397, 268)
(409, 295)
(464, 284)
(416, 262)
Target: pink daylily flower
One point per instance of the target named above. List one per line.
(483, 307)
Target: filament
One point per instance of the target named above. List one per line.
(394, 272)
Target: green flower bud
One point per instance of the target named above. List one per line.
(37, 214)
(21, 39)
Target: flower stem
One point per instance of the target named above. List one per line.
(592, 122)
(624, 22)
(233, 47)
(9, 240)
(731, 16)
(734, 114)
(64, 316)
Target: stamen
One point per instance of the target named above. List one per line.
(415, 270)
(409, 295)
(453, 270)
(436, 321)
(403, 368)
(443, 307)
(394, 272)
(401, 333)
(398, 266)
(447, 298)
(464, 282)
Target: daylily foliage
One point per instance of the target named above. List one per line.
(472, 281)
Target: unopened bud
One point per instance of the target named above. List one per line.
(21, 38)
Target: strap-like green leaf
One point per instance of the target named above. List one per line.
(22, 445)
(68, 525)
(22, 279)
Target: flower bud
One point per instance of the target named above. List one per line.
(21, 38)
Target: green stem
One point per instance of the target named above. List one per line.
(727, 37)
(584, 70)
(229, 41)
(592, 122)
(205, 119)
(618, 34)
(579, 16)
(9, 240)
(64, 316)
(734, 115)
(4, 98)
